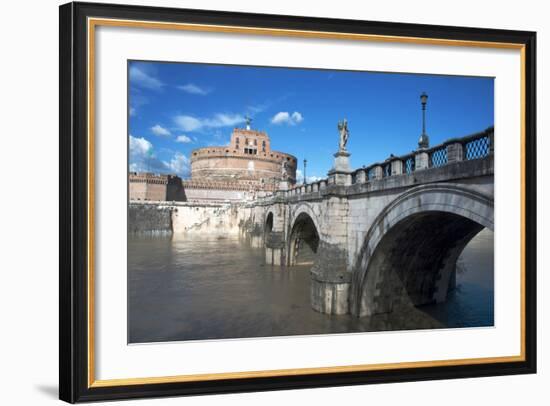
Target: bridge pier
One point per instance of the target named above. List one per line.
(330, 281)
(330, 278)
(275, 239)
(275, 249)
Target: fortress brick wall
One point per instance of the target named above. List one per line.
(148, 186)
(248, 159)
(246, 168)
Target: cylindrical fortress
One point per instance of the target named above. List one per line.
(247, 160)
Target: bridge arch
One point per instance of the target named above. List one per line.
(304, 237)
(409, 254)
(268, 224)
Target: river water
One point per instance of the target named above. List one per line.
(196, 288)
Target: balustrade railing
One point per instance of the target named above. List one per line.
(371, 173)
(410, 164)
(386, 170)
(475, 146)
(438, 157)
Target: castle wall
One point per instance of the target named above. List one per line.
(244, 169)
(241, 167)
(248, 159)
(216, 195)
(137, 191)
(151, 187)
(174, 190)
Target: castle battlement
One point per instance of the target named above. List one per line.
(246, 167)
(248, 159)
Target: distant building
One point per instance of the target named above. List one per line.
(244, 169)
(149, 186)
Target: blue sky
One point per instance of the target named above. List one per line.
(177, 107)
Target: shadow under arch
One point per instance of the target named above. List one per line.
(304, 240)
(268, 225)
(409, 254)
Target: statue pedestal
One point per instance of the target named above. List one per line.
(341, 173)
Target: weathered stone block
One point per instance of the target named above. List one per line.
(330, 298)
(378, 172)
(422, 160)
(149, 219)
(396, 167)
(361, 176)
(455, 152)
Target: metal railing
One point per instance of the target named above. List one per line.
(438, 157)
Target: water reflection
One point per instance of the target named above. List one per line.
(210, 288)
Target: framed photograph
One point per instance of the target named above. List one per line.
(256, 202)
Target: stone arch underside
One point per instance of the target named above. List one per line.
(268, 225)
(409, 254)
(304, 240)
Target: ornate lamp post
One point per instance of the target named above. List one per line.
(305, 165)
(423, 141)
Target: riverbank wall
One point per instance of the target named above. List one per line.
(158, 217)
(149, 219)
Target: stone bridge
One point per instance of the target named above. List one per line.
(385, 235)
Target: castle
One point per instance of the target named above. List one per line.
(244, 169)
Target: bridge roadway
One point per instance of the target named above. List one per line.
(385, 235)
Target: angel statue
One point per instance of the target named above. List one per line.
(284, 173)
(344, 134)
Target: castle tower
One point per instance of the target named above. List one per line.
(248, 161)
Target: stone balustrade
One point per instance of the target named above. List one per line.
(475, 146)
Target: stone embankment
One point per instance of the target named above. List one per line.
(157, 218)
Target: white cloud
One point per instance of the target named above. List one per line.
(160, 131)
(284, 117)
(143, 79)
(190, 123)
(257, 108)
(297, 117)
(310, 179)
(280, 117)
(184, 139)
(191, 88)
(144, 159)
(139, 147)
(136, 102)
(179, 164)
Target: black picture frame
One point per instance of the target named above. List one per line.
(74, 290)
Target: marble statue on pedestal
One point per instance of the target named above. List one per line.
(344, 134)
